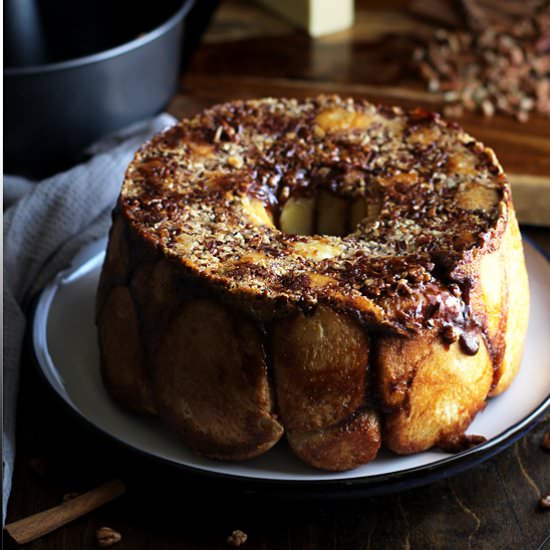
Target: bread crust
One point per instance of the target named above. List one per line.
(514, 307)
(344, 446)
(320, 364)
(122, 354)
(432, 390)
(243, 322)
(210, 383)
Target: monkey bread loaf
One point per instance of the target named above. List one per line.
(345, 274)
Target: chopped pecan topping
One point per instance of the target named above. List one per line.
(407, 197)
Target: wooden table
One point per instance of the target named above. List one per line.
(246, 53)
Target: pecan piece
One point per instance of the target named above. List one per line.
(107, 537)
(237, 538)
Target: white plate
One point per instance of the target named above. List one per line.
(64, 338)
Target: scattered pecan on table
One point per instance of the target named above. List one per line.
(498, 62)
(237, 538)
(107, 537)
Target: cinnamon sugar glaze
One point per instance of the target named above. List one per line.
(426, 198)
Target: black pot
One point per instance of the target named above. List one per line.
(59, 96)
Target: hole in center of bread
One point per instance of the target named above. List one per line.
(322, 201)
(326, 213)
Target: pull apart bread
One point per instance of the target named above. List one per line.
(346, 274)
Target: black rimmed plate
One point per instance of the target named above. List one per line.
(65, 346)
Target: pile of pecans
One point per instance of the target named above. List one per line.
(500, 63)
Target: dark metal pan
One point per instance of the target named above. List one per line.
(60, 94)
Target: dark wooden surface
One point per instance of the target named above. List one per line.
(249, 53)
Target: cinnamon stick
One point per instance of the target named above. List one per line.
(30, 528)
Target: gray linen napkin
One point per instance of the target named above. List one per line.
(44, 227)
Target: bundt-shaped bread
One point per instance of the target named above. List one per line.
(346, 274)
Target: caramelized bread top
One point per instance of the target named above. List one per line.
(420, 200)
